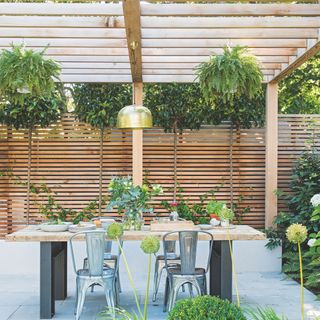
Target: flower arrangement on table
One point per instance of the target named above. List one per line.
(131, 200)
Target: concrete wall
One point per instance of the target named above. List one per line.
(250, 256)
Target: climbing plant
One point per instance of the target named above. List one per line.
(98, 105)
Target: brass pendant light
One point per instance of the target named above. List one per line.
(134, 117)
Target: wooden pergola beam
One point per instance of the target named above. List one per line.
(313, 49)
(131, 11)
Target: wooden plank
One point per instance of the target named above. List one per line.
(188, 51)
(137, 139)
(229, 22)
(86, 33)
(69, 43)
(95, 78)
(61, 21)
(213, 43)
(96, 65)
(131, 10)
(271, 153)
(230, 9)
(310, 52)
(56, 9)
(231, 33)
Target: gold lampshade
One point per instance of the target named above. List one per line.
(134, 117)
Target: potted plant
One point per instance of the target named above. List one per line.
(131, 201)
(29, 95)
(233, 74)
(214, 208)
(226, 216)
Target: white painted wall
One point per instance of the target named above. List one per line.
(250, 256)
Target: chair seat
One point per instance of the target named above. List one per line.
(107, 273)
(170, 256)
(109, 256)
(177, 272)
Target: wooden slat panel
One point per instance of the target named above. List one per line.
(230, 9)
(66, 156)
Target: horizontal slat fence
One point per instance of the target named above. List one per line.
(66, 157)
(297, 133)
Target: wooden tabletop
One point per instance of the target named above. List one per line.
(33, 234)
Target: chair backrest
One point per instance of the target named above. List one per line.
(95, 247)
(188, 245)
(170, 246)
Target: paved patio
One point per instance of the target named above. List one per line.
(19, 297)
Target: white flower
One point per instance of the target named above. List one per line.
(315, 200)
(311, 242)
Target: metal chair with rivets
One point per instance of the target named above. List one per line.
(187, 272)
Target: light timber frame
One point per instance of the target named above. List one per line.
(163, 42)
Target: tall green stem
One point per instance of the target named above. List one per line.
(301, 282)
(233, 269)
(147, 291)
(130, 278)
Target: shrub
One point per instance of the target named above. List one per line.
(206, 308)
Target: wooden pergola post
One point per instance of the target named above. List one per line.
(137, 139)
(271, 203)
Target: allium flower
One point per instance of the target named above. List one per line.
(115, 231)
(297, 233)
(311, 242)
(315, 200)
(150, 244)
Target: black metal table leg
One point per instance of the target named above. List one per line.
(53, 276)
(221, 271)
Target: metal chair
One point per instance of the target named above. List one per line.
(96, 273)
(186, 272)
(109, 260)
(170, 248)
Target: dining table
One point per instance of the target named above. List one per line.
(54, 250)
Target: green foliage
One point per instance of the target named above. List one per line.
(87, 213)
(215, 207)
(265, 314)
(34, 111)
(300, 91)
(129, 198)
(99, 104)
(233, 74)
(194, 211)
(305, 183)
(25, 69)
(205, 308)
(176, 104)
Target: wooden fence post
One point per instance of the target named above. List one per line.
(271, 175)
(137, 139)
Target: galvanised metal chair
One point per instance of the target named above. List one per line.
(174, 258)
(186, 272)
(96, 273)
(109, 260)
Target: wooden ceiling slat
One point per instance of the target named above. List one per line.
(213, 43)
(212, 33)
(96, 65)
(213, 50)
(56, 9)
(87, 33)
(79, 78)
(227, 9)
(56, 42)
(229, 22)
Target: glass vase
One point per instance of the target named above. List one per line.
(133, 222)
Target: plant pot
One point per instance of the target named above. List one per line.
(225, 223)
(214, 216)
(132, 223)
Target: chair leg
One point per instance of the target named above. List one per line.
(77, 290)
(118, 281)
(166, 295)
(81, 297)
(173, 296)
(155, 280)
(190, 289)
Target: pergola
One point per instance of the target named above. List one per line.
(146, 42)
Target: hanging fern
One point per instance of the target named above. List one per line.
(233, 74)
(26, 74)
